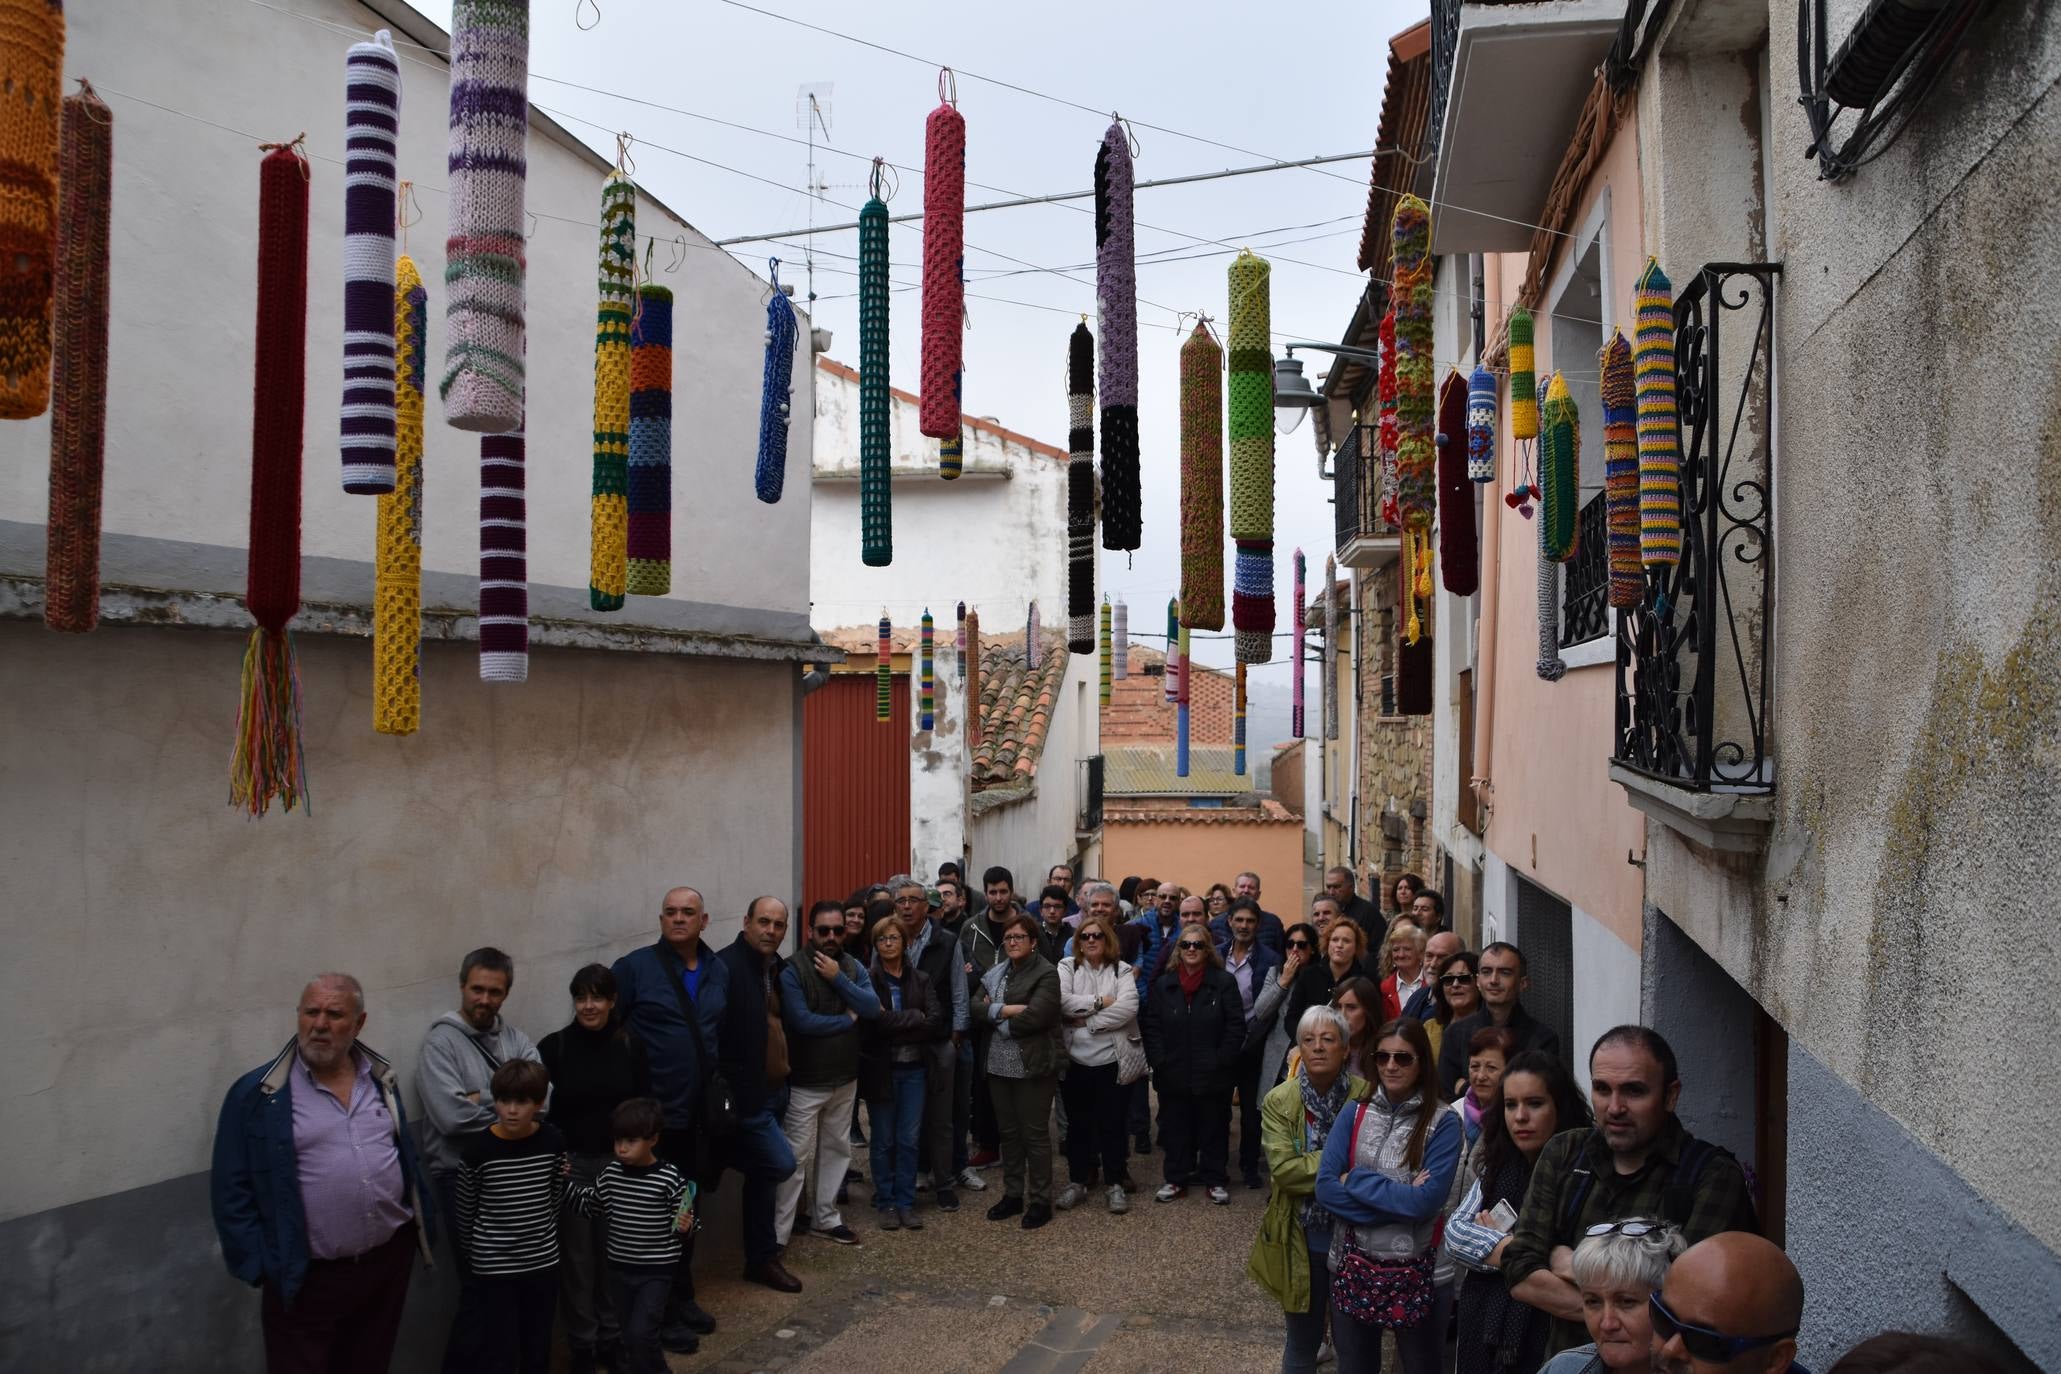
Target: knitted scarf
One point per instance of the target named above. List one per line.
(1621, 472)
(372, 121)
(876, 523)
(1251, 411)
(397, 575)
(1190, 978)
(776, 394)
(944, 255)
(1080, 491)
(1320, 1114)
(484, 263)
(1116, 297)
(32, 62)
(608, 577)
(649, 541)
(504, 588)
(78, 410)
(1456, 553)
(1202, 481)
(1660, 455)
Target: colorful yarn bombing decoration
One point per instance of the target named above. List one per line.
(1385, 433)
(1559, 465)
(372, 123)
(1031, 641)
(78, 406)
(883, 671)
(484, 263)
(1202, 481)
(1252, 459)
(504, 587)
(1481, 426)
(267, 763)
(926, 702)
(944, 255)
(1171, 679)
(1080, 491)
(1106, 649)
(1331, 648)
(1295, 722)
(974, 732)
(1524, 406)
(397, 577)
(1621, 472)
(1416, 454)
(1120, 643)
(1660, 455)
(649, 546)
(951, 453)
(1116, 297)
(776, 393)
(876, 521)
(1238, 721)
(1456, 552)
(1181, 711)
(32, 61)
(1550, 666)
(608, 577)
(959, 639)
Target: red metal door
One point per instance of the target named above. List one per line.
(855, 787)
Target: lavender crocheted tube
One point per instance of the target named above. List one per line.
(372, 122)
(484, 263)
(1116, 297)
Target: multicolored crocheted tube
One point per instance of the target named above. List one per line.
(1295, 722)
(1116, 298)
(1120, 643)
(1560, 446)
(1550, 665)
(1238, 721)
(1524, 405)
(1456, 552)
(1481, 426)
(1384, 394)
(1107, 648)
(926, 703)
(1621, 472)
(397, 573)
(504, 587)
(883, 672)
(1252, 600)
(649, 547)
(1331, 648)
(1202, 481)
(876, 519)
(1080, 491)
(1416, 453)
(971, 677)
(1251, 411)
(944, 254)
(78, 404)
(1170, 680)
(372, 125)
(32, 62)
(607, 577)
(1181, 711)
(484, 262)
(776, 395)
(951, 453)
(1660, 454)
(1033, 638)
(959, 640)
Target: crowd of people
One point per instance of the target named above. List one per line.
(1436, 1174)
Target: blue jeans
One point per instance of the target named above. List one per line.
(639, 1297)
(760, 1152)
(897, 1127)
(1306, 1329)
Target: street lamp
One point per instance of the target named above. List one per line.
(1293, 395)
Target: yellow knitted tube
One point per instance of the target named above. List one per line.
(31, 105)
(397, 599)
(608, 577)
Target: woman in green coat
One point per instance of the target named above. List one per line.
(1288, 1259)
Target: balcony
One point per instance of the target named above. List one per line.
(1364, 539)
(1088, 792)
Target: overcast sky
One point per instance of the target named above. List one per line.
(1275, 82)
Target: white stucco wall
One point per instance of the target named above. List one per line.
(939, 760)
(1452, 643)
(1606, 986)
(1031, 835)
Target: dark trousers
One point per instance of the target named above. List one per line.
(1097, 1117)
(1249, 1095)
(346, 1315)
(640, 1297)
(934, 1148)
(504, 1323)
(1023, 1109)
(680, 1147)
(583, 1295)
(760, 1152)
(446, 1186)
(1139, 1111)
(962, 1104)
(1198, 1136)
(987, 1128)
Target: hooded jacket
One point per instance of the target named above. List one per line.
(457, 1061)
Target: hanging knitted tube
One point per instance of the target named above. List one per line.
(78, 406)
(926, 703)
(1416, 453)
(1032, 645)
(1481, 426)
(1524, 403)
(267, 764)
(944, 253)
(1251, 412)
(504, 587)
(1170, 680)
(1660, 455)
(1385, 432)
(1295, 712)
(1202, 480)
(951, 453)
(1181, 711)
(1080, 491)
(1238, 720)
(876, 522)
(372, 122)
(608, 571)
(649, 494)
(1330, 648)
(974, 732)
(397, 573)
(959, 640)
(776, 395)
(1621, 472)
(32, 61)
(1116, 298)
(1550, 666)
(1560, 442)
(484, 262)
(1106, 646)
(1456, 550)
(883, 671)
(1120, 643)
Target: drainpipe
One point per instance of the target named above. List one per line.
(1491, 547)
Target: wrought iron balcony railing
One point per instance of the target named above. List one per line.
(1585, 605)
(1445, 42)
(1088, 815)
(1692, 657)
(1356, 492)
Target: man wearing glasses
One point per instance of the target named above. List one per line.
(1732, 1303)
(1637, 1161)
(1423, 1003)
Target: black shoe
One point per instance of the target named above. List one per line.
(690, 1315)
(585, 1362)
(1252, 1178)
(947, 1200)
(773, 1274)
(844, 1195)
(1005, 1209)
(1143, 1144)
(801, 1224)
(1037, 1216)
(677, 1339)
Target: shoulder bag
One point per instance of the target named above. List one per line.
(1391, 1293)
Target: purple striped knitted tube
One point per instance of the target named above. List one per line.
(485, 255)
(504, 570)
(1116, 297)
(372, 122)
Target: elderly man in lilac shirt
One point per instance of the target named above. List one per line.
(317, 1194)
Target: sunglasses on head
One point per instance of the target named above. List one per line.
(1702, 1343)
(1402, 1059)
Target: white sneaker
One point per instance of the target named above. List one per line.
(1168, 1192)
(1220, 1195)
(1325, 1354)
(1119, 1201)
(923, 1181)
(970, 1178)
(1070, 1197)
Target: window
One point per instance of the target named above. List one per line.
(1545, 932)
(1579, 322)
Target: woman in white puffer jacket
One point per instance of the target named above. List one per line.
(1098, 997)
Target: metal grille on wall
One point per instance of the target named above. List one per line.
(1545, 932)
(1585, 604)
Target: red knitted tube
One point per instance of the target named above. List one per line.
(273, 592)
(1458, 566)
(78, 411)
(944, 255)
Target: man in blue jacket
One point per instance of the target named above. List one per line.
(317, 1195)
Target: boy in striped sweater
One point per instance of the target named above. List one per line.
(649, 1207)
(511, 1179)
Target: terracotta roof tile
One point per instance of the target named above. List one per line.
(1405, 110)
(1015, 707)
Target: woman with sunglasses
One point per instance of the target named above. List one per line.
(1337, 957)
(1019, 998)
(1098, 996)
(1454, 995)
(1276, 1031)
(1194, 1028)
(1537, 1099)
(1385, 1175)
(1618, 1267)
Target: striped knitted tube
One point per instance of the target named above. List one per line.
(1331, 648)
(776, 395)
(608, 568)
(1238, 720)
(951, 453)
(876, 521)
(1621, 472)
(1384, 393)
(944, 293)
(78, 405)
(1660, 455)
(1481, 426)
(959, 640)
(1295, 711)
(32, 63)
(1251, 412)
(504, 587)
(1116, 298)
(1170, 680)
(1181, 711)
(649, 544)
(972, 678)
(1550, 665)
(1456, 551)
(397, 569)
(926, 702)
(1032, 638)
(1106, 649)
(1080, 491)
(1252, 590)
(1120, 643)
(1202, 481)
(883, 672)
(484, 263)
(1560, 442)
(372, 123)
(1524, 405)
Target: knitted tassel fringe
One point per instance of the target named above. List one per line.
(1660, 456)
(1033, 642)
(971, 677)
(1202, 481)
(883, 672)
(1385, 433)
(1252, 600)
(397, 576)
(1458, 565)
(649, 549)
(372, 122)
(1559, 465)
(1481, 426)
(1295, 712)
(926, 703)
(1238, 720)
(504, 588)
(776, 394)
(1550, 666)
(944, 293)
(1252, 458)
(1106, 649)
(1621, 472)
(1170, 682)
(484, 264)
(1524, 404)
(1120, 644)
(1116, 297)
(1181, 710)
(78, 410)
(268, 763)
(1080, 491)
(876, 522)
(32, 61)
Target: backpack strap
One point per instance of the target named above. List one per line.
(1574, 1193)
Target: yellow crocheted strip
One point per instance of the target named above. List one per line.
(608, 575)
(31, 104)
(397, 599)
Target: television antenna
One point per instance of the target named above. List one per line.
(812, 114)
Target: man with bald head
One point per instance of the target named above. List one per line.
(1439, 947)
(1731, 1304)
(317, 1194)
(752, 1046)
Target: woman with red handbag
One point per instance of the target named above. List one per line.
(1385, 1176)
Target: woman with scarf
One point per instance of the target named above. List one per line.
(1385, 1175)
(1194, 1027)
(1018, 998)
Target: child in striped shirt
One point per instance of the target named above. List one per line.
(511, 1179)
(649, 1207)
